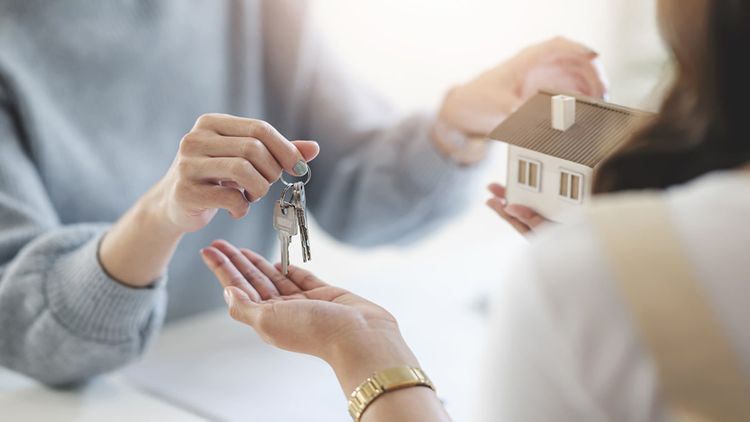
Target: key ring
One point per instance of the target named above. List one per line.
(284, 192)
(307, 180)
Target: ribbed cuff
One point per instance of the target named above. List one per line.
(91, 304)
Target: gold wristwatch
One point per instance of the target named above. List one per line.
(382, 382)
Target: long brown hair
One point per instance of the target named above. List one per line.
(704, 122)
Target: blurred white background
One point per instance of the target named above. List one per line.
(411, 51)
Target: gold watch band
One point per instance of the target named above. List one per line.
(382, 382)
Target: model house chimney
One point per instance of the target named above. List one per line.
(563, 112)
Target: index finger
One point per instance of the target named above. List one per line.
(227, 274)
(287, 155)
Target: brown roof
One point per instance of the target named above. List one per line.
(599, 129)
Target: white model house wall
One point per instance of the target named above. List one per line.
(546, 200)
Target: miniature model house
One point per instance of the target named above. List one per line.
(555, 143)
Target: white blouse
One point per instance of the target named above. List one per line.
(562, 343)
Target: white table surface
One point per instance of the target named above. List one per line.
(107, 399)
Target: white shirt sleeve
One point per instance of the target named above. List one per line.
(561, 343)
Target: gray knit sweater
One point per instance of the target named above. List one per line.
(94, 98)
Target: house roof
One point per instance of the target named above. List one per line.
(600, 128)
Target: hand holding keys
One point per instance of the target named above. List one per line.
(290, 218)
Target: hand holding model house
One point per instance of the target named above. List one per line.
(555, 143)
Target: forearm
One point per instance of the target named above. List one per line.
(139, 246)
(360, 358)
(65, 320)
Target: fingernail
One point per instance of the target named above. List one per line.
(300, 169)
(202, 251)
(227, 296)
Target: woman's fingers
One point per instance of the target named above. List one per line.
(282, 283)
(497, 189)
(498, 205)
(308, 149)
(587, 71)
(575, 63)
(224, 157)
(207, 196)
(304, 279)
(226, 272)
(251, 149)
(250, 272)
(233, 169)
(283, 151)
(525, 215)
(522, 218)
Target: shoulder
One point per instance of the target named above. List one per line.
(563, 288)
(570, 266)
(573, 269)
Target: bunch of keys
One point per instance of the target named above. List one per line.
(290, 219)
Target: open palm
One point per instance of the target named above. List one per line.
(298, 312)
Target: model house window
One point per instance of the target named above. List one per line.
(529, 173)
(571, 185)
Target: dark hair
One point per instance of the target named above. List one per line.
(704, 122)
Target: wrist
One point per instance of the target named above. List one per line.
(458, 146)
(361, 355)
(138, 247)
(152, 210)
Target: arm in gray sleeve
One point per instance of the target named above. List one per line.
(62, 319)
(378, 178)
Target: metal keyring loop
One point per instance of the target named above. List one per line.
(284, 192)
(307, 180)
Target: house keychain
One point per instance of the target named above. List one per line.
(290, 219)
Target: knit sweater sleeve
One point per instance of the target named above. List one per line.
(62, 318)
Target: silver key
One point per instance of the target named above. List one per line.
(299, 203)
(285, 222)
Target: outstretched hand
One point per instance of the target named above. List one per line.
(298, 312)
(478, 106)
(301, 313)
(523, 219)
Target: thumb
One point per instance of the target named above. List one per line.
(241, 307)
(308, 149)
